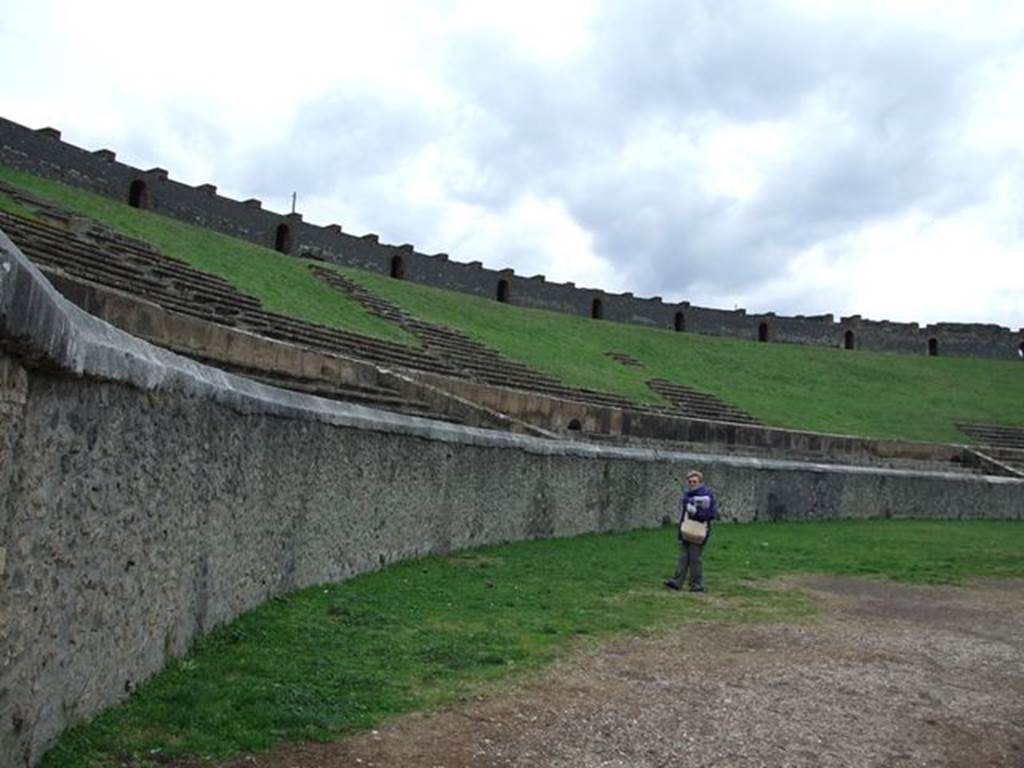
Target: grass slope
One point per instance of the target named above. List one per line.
(789, 385)
(332, 660)
(799, 387)
(282, 284)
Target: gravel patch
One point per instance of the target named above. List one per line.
(886, 675)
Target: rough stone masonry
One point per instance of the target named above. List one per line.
(147, 498)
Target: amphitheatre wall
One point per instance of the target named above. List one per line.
(146, 498)
(42, 152)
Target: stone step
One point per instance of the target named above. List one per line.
(135, 269)
(691, 402)
(376, 397)
(994, 435)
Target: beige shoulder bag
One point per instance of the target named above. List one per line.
(693, 531)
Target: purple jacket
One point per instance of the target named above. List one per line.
(700, 502)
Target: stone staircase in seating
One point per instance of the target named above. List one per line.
(471, 358)
(1005, 444)
(484, 364)
(994, 436)
(699, 405)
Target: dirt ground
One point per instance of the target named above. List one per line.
(888, 675)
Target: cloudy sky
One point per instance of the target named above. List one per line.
(797, 157)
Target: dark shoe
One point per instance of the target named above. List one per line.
(695, 589)
(672, 584)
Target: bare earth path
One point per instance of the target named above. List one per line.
(888, 675)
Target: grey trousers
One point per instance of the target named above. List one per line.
(689, 559)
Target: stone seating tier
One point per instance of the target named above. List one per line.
(994, 435)
(86, 251)
(192, 292)
(377, 397)
(699, 405)
(97, 254)
(484, 364)
(1012, 457)
(475, 360)
(87, 254)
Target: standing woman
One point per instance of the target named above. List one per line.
(697, 503)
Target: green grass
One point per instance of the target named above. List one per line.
(911, 397)
(788, 385)
(10, 205)
(332, 660)
(282, 284)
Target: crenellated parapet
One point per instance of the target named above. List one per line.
(43, 152)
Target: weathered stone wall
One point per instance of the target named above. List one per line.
(42, 152)
(136, 520)
(147, 498)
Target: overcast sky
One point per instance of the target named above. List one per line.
(797, 157)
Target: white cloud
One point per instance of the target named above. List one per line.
(801, 157)
(737, 158)
(535, 235)
(911, 269)
(540, 28)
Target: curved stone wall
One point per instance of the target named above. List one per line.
(43, 153)
(145, 498)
